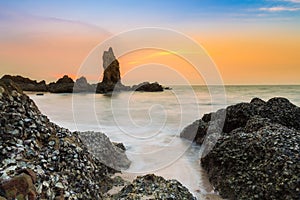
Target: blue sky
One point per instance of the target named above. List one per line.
(119, 15)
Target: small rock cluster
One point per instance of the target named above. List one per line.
(153, 187)
(111, 81)
(258, 154)
(63, 166)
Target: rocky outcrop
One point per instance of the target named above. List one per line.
(259, 161)
(112, 78)
(27, 84)
(63, 165)
(148, 87)
(62, 85)
(154, 187)
(278, 110)
(111, 68)
(257, 155)
(81, 85)
(111, 81)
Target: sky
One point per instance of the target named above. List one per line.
(249, 42)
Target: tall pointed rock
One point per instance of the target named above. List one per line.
(111, 67)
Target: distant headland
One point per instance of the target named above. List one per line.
(111, 81)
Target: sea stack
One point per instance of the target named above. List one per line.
(111, 76)
(111, 68)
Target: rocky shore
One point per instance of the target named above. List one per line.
(40, 160)
(258, 154)
(111, 81)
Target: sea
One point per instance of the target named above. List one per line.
(149, 124)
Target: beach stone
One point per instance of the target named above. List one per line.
(20, 187)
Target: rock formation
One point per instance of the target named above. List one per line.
(148, 87)
(27, 84)
(63, 166)
(81, 85)
(62, 85)
(112, 78)
(111, 68)
(154, 187)
(111, 81)
(257, 155)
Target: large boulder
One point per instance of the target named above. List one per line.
(27, 84)
(100, 146)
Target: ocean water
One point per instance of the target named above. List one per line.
(149, 124)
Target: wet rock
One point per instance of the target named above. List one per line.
(154, 187)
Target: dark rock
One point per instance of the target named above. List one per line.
(148, 87)
(111, 67)
(154, 187)
(27, 84)
(257, 153)
(111, 81)
(81, 85)
(195, 131)
(62, 85)
(278, 110)
(258, 162)
(111, 76)
(120, 146)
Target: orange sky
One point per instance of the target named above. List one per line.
(243, 55)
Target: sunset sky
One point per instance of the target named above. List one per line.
(250, 41)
